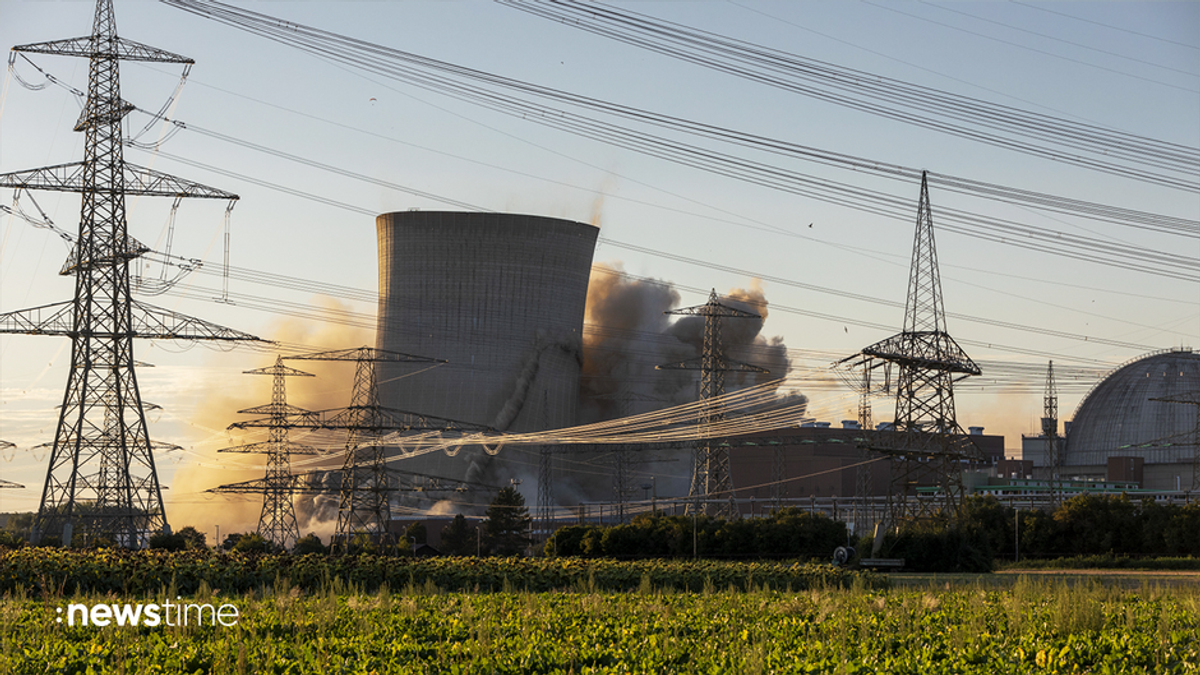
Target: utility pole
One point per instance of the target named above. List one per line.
(102, 480)
(710, 464)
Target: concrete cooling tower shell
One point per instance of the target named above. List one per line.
(501, 297)
(1118, 417)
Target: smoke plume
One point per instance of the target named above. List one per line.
(627, 334)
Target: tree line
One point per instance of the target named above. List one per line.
(987, 531)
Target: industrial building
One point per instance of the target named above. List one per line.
(819, 460)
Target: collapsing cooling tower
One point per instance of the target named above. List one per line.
(501, 297)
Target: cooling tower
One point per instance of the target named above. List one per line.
(501, 297)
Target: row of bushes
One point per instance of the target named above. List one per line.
(56, 572)
(988, 531)
(786, 534)
(1094, 527)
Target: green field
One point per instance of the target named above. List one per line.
(962, 626)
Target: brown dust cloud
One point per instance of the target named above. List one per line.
(206, 468)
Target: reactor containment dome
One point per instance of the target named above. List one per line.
(1121, 418)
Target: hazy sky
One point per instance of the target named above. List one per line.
(1130, 66)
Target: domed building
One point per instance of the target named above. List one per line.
(1120, 431)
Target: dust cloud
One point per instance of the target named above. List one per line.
(627, 334)
(206, 468)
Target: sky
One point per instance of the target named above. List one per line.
(835, 277)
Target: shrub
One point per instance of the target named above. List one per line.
(310, 543)
(252, 543)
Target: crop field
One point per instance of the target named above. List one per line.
(1030, 626)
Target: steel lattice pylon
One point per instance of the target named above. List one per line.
(624, 456)
(1050, 431)
(710, 464)
(366, 482)
(277, 521)
(101, 478)
(925, 435)
(545, 498)
(364, 502)
(862, 473)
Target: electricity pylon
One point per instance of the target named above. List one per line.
(277, 521)
(926, 435)
(1050, 431)
(364, 505)
(710, 464)
(624, 455)
(102, 479)
(862, 473)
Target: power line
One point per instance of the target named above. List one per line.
(445, 78)
(1059, 39)
(1105, 25)
(935, 109)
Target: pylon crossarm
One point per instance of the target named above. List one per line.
(378, 418)
(313, 483)
(278, 369)
(274, 446)
(138, 181)
(142, 181)
(928, 350)
(102, 257)
(363, 419)
(53, 319)
(159, 324)
(9, 484)
(364, 354)
(89, 47)
(727, 365)
(149, 322)
(293, 483)
(274, 409)
(714, 309)
(303, 420)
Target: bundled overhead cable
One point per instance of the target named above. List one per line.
(516, 98)
(754, 409)
(1037, 134)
